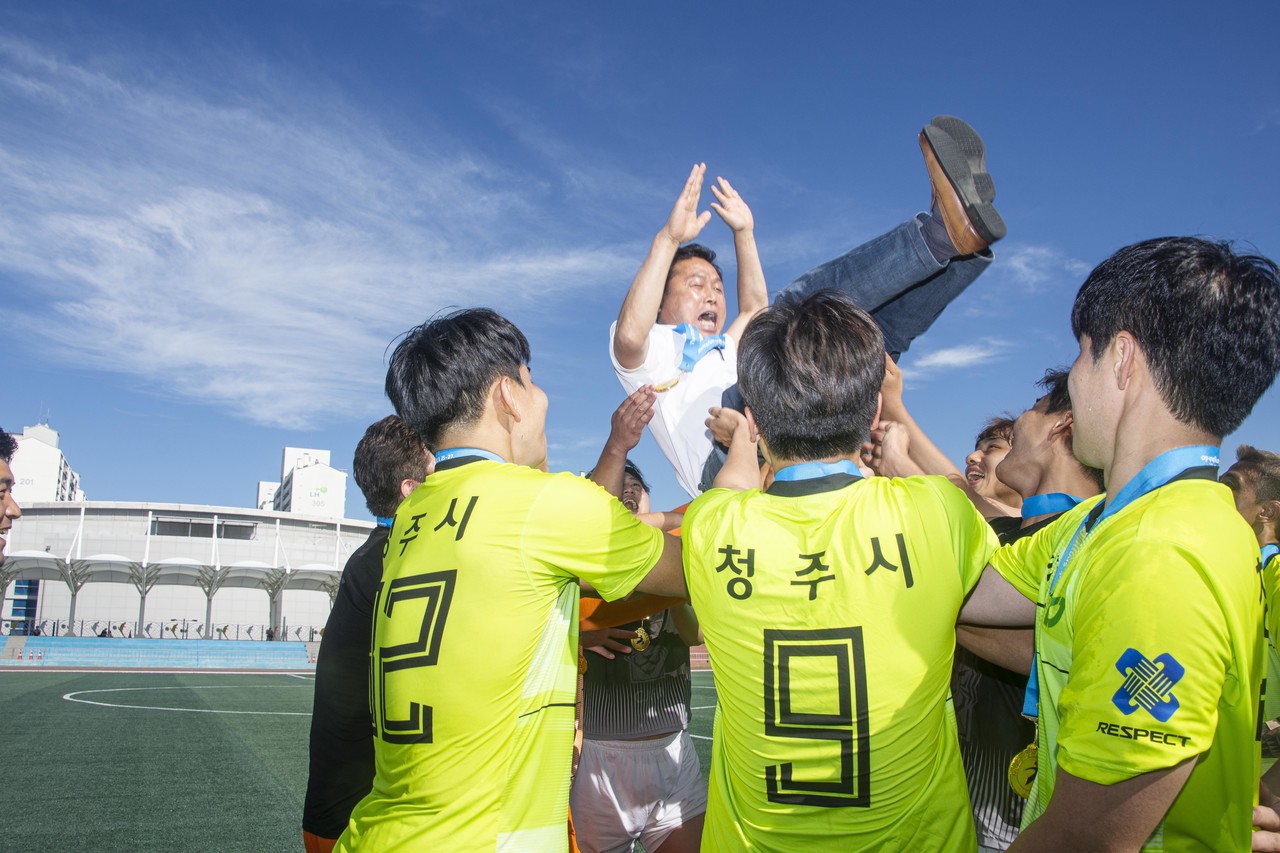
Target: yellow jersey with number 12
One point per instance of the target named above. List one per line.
(473, 672)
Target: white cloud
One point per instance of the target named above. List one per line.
(1033, 267)
(953, 358)
(257, 252)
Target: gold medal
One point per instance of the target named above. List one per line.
(641, 640)
(1022, 771)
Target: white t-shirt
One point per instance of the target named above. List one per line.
(680, 415)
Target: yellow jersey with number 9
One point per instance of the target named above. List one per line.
(829, 609)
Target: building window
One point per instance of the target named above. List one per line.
(202, 528)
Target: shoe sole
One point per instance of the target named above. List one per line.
(964, 196)
(970, 143)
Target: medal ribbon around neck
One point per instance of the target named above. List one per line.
(696, 345)
(814, 470)
(1047, 504)
(461, 452)
(1153, 475)
(1269, 551)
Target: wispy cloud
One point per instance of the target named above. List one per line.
(256, 252)
(1032, 268)
(954, 358)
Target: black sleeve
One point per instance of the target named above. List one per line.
(342, 768)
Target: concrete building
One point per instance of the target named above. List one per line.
(309, 485)
(41, 472)
(173, 570)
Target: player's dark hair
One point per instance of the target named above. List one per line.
(1054, 385)
(692, 250)
(389, 454)
(8, 446)
(632, 469)
(1207, 319)
(1262, 467)
(811, 371)
(441, 372)
(1000, 426)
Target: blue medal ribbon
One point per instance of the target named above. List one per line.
(814, 470)
(459, 452)
(1153, 475)
(1047, 504)
(1269, 551)
(384, 521)
(696, 346)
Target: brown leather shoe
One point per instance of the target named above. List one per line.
(962, 187)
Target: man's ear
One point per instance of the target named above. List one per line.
(1063, 428)
(505, 401)
(407, 486)
(875, 419)
(1127, 358)
(751, 422)
(1269, 514)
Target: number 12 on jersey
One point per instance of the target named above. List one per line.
(815, 689)
(411, 610)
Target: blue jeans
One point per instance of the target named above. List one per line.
(897, 279)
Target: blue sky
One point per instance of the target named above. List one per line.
(216, 216)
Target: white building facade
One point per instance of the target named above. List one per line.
(41, 472)
(173, 570)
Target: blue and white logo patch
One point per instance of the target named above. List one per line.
(1148, 684)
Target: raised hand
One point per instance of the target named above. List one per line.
(732, 209)
(629, 419)
(685, 222)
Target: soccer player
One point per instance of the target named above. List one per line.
(1147, 601)
(9, 509)
(905, 277)
(474, 656)
(390, 462)
(639, 779)
(843, 591)
(989, 683)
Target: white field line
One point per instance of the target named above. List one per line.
(71, 697)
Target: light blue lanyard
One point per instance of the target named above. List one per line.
(1153, 475)
(1047, 504)
(383, 521)
(459, 452)
(1269, 551)
(696, 346)
(814, 470)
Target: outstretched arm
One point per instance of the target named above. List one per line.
(753, 295)
(627, 425)
(640, 307)
(924, 453)
(925, 457)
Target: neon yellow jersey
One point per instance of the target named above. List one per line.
(474, 664)
(1150, 653)
(829, 609)
(1271, 695)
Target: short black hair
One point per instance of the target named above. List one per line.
(811, 370)
(692, 250)
(441, 372)
(1054, 386)
(1262, 467)
(1207, 319)
(1001, 426)
(8, 446)
(634, 470)
(389, 454)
